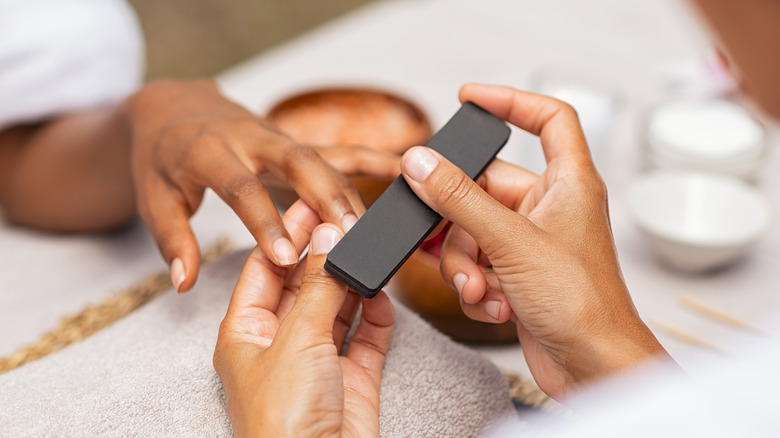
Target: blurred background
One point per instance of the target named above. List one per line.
(188, 39)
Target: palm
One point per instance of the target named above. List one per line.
(325, 394)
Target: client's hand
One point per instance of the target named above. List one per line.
(548, 242)
(278, 347)
(187, 137)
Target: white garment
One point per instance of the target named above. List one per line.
(65, 55)
(729, 397)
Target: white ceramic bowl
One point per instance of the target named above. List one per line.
(699, 221)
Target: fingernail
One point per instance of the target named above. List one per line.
(348, 222)
(419, 163)
(324, 239)
(459, 280)
(284, 251)
(177, 273)
(493, 308)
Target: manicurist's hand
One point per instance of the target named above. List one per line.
(187, 137)
(278, 348)
(548, 241)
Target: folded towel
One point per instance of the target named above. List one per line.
(150, 375)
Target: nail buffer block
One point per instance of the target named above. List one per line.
(397, 223)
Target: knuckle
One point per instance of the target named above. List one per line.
(300, 156)
(566, 110)
(318, 278)
(456, 190)
(241, 188)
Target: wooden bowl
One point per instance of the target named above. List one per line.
(351, 116)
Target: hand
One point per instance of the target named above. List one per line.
(548, 242)
(188, 137)
(278, 348)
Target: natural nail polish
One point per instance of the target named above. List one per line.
(177, 273)
(284, 251)
(348, 221)
(493, 309)
(324, 239)
(460, 280)
(419, 163)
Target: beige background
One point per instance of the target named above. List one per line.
(187, 38)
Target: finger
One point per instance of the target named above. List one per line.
(368, 348)
(507, 183)
(165, 212)
(554, 121)
(243, 191)
(459, 265)
(316, 181)
(321, 296)
(493, 308)
(261, 280)
(362, 161)
(300, 220)
(345, 318)
(451, 193)
(329, 192)
(290, 291)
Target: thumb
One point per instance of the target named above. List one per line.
(321, 296)
(455, 196)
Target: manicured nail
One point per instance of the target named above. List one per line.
(177, 273)
(419, 163)
(284, 251)
(493, 308)
(324, 239)
(348, 221)
(460, 280)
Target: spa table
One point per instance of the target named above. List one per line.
(426, 49)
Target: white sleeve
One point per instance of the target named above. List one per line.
(724, 398)
(58, 56)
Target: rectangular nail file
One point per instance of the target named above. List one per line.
(398, 222)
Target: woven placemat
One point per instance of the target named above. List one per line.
(96, 317)
(526, 395)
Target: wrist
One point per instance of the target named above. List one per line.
(619, 348)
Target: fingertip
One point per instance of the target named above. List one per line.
(284, 252)
(379, 310)
(472, 287)
(178, 274)
(493, 309)
(466, 91)
(183, 274)
(459, 281)
(418, 162)
(324, 238)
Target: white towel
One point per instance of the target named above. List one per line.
(151, 375)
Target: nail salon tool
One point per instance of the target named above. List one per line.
(398, 222)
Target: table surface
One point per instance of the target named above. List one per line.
(426, 49)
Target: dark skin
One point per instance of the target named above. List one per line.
(71, 174)
(156, 153)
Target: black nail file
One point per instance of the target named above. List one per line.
(397, 223)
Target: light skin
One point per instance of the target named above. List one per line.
(279, 344)
(548, 241)
(156, 153)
